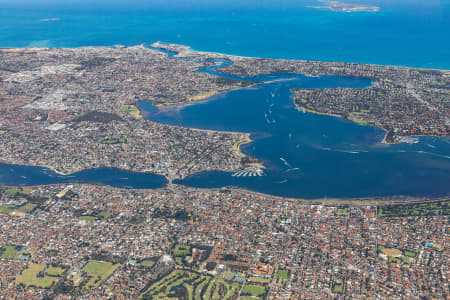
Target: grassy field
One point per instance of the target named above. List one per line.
(182, 284)
(259, 279)
(397, 256)
(318, 112)
(8, 252)
(283, 274)
(178, 260)
(98, 271)
(342, 211)
(18, 191)
(253, 290)
(229, 275)
(27, 208)
(441, 208)
(238, 143)
(358, 121)
(12, 191)
(132, 110)
(391, 252)
(29, 277)
(54, 271)
(395, 259)
(338, 288)
(6, 209)
(147, 263)
(410, 254)
(87, 218)
(281, 277)
(13, 252)
(98, 267)
(201, 97)
(180, 252)
(98, 216)
(104, 215)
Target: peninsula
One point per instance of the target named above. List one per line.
(74, 109)
(403, 101)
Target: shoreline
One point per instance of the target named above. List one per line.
(62, 173)
(206, 97)
(238, 144)
(186, 49)
(355, 201)
(383, 141)
(444, 70)
(386, 132)
(189, 48)
(346, 201)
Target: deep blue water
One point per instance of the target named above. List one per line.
(308, 155)
(27, 175)
(403, 32)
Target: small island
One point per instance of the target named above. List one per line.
(346, 7)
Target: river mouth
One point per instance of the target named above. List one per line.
(305, 155)
(308, 155)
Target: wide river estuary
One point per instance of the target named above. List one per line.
(305, 155)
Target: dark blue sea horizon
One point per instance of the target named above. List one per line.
(404, 33)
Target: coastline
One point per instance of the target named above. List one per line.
(225, 55)
(356, 201)
(238, 144)
(70, 173)
(384, 141)
(190, 48)
(237, 147)
(399, 138)
(51, 168)
(182, 49)
(189, 100)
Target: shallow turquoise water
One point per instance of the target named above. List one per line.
(411, 33)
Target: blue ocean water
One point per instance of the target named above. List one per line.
(306, 155)
(404, 32)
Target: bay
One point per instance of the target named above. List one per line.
(308, 155)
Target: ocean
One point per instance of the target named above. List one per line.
(407, 33)
(305, 155)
